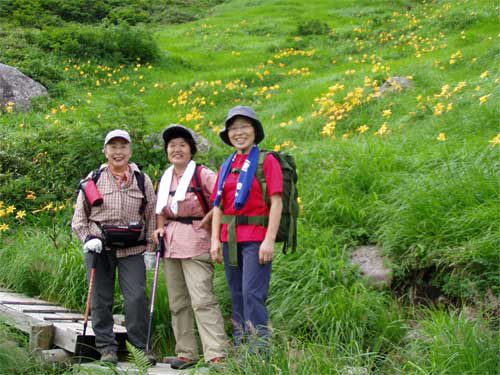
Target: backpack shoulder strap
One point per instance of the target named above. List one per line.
(198, 189)
(96, 174)
(139, 175)
(260, 175)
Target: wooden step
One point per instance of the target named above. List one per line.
(50, 325)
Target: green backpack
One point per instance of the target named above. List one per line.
(287, 231)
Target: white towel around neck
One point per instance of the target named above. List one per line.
(180, 192)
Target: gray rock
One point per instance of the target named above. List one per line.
(353, 370)
(373, 265)
(395, 84)
(17, 88)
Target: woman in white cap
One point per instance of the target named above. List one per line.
(116, 231)
(245, 224)
(184, 215)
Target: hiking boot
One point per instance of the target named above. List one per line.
(217, 363)
(168, 359)
(109, 357)
(181, 363)
(151, 358)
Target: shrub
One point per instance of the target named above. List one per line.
(121, 44)
(313, 27)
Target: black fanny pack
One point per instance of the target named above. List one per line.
(123, 236)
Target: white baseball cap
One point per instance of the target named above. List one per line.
(117, 133)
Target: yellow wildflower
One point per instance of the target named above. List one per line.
(2, 212)
(362, 129)
(386, 113)
(438, 110)
(441, 137)
(20, 214)
(1, 204)
(277, 148)
(384, 129)
(484, 74)
(300, 119)
(4, 227)
(484, 99)
(31, 195)
(495, 140)
(48, 206)
(10, 209)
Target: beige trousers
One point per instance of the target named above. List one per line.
(190, 289)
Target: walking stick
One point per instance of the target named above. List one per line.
(89, 301)
(89, 295)
(159, 251)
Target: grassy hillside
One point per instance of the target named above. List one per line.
(414, 170)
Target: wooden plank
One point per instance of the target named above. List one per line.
(129, 368)
(36, 303)
(41, 333)
(41, 336)
(17, 319)
(55, 355)
(63, 318)
(46, 311)
(65, 336)
(18, 297)
(37, 308)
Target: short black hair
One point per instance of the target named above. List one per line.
(189, 141)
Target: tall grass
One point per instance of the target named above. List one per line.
(444, 343)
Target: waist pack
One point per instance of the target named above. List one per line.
(122, 236)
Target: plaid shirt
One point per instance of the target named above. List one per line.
(120, 207)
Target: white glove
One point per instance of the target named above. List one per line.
(149, 260)
(94, 245)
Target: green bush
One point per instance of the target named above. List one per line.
(120, 44)
(313, 27)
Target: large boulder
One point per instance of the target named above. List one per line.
(373, 266)
(17, 89)
(395, 84)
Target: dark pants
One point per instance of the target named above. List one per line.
(132, 280)
(249, 286)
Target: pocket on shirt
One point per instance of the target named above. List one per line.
(107, 210)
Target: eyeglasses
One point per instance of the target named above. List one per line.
(243, 127)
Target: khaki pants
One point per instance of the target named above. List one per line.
(190, 288)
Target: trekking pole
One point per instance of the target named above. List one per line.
(89, 295)
(159, 251)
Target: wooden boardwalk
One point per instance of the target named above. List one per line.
(49, 325)
(57, 334)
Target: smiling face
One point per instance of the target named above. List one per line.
(118, 152)
(241, 134)
(179, 152)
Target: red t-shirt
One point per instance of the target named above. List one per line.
(255, 204)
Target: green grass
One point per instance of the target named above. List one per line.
(430, 204)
